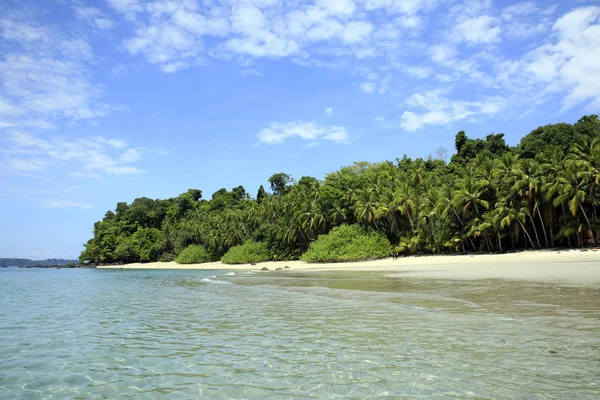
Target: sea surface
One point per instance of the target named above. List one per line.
(147, 334)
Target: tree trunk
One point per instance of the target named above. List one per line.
(543, 227)
(527, 234)
(588, 223)
(537, 238)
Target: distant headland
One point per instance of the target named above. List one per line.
(47, 263)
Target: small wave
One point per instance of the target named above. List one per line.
(230, 274)
(207, 280)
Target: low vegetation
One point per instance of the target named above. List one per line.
(348, 243)
(194, 254)
(247, 253)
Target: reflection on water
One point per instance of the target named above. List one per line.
(206, 334)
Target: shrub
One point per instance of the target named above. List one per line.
(249, 252)
(194, 254)
(348, 243)
(166, 257)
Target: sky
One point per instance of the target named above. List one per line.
(104, 101)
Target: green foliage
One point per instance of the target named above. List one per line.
(348, 243)
(490, 197)
(194, 254)
(261, 194)
(539, 139)
(166, 257)
(279, 182)
(249, 252)
(467, 149)
(127, 250)
(150, 243)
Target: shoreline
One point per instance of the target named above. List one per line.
(571, 267)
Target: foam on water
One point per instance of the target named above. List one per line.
(208, 280)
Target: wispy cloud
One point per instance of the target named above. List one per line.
(312, 132)
(92, 156)
(435, 108)
(44, 75)
(53, 203)
(94, 17)
(449, 44)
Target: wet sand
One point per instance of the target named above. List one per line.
(574, 267)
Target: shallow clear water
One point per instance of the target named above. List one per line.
(80, 334)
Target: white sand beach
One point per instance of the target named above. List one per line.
(575, 267)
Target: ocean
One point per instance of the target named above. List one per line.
(195, 334)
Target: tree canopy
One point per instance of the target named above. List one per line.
(544, 192)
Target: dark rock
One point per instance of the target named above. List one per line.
(264, 269)
(252, 263)
(278, 269)
(552, 351)
(286, 267)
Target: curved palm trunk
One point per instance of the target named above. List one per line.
(568, 237)
(463, 225)
(543, 227)
(527, 234)
(537, 238)
(588, 223)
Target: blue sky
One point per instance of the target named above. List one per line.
(108, 100)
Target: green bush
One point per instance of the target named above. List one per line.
(166, 257)
(348, 243)
(194, 254)
(249, 252)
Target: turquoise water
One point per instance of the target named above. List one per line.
(98, 334)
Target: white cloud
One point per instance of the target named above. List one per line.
(368, 87)
(356, 31)
(181, 33)
(26, 165)
(483, 29)
(441, 53)
(433, 107)
(53, 203)
(565, 66)
(417, 71)
(44, 76)
(130, 156)
(519, 9)
(338, 7)
(410, 21)
(94, 17)
(172, 35)
(329, 111)
(94, 155)
(278, 133)
(130, 8)
(519, 23)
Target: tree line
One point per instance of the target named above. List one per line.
(541, 193)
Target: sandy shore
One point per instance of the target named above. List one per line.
(574, 267)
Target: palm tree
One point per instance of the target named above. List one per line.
(365, 206)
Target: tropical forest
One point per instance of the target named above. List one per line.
(487, 197)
